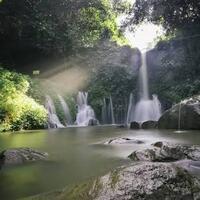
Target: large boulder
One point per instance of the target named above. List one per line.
(21, 155)
(185, 115)
(144, 181)
(164, 151)
(149, 125)
(134, 125)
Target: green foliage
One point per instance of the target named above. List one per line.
(35, 30)
(110, 80)
(17, 110)
(178, 77)
(33, 116)
(176, 15)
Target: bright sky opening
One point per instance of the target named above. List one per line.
(144, 36)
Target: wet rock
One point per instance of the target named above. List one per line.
(21, 155)
(189, 111)
(124, 141)
(149, 125)
(93, 122)
(144, 181)
(134, 125)
(164, 151)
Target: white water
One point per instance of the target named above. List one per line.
(53, 120)
(65, 107)
(111, 111)
(108, 112)
(146, 109)
(104, 112)
(130, 109)
(85, 112)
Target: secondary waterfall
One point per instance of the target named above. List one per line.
(85, 112)
(130, 111)
(146, 109)
(108, 111)
(111, 111)
(65, 107)
(53, 120)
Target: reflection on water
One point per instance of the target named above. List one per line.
(76, 154)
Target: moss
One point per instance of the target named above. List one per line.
(47, 196)
(84, 191)
(114, 178)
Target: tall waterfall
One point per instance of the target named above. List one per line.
(85, 112)
(53, 120)
(146, 109)
(65, 107)
(108, 112)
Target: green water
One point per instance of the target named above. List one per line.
(76, 154)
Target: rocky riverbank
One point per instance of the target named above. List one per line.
(162, 171)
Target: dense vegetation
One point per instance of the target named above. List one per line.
(114, 81)
(17, 110)
(34, 31)
(178, 75)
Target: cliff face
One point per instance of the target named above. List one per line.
(102, 54)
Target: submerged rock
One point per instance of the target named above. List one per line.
(124, 141)
(145, 181)
(189, 113)
(21, 155)
(164, 151)
(149, 125)
(134, 125)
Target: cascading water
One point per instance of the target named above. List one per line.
(108, 112)
(85, 112)
(53, 120)
(130, 109)
(104, 112)
(111, 111)
(146, 109)
(65, 107)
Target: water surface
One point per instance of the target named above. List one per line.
(76, 154)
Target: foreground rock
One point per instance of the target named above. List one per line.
(124, 141)
(189, 112)
(164, 151)
(21, 155)
(149, 125)
(134, 125)
(146, 181)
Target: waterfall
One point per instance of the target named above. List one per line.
(179, 117)
(130, 109)
(108, 111)
(65, 107)
(104, 112)
(85, 112)
(53, 120)
(111, 111)
(143, 78)
(146, 109)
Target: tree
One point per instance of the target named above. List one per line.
(174, 16)
(17, 110)
(37, 30)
